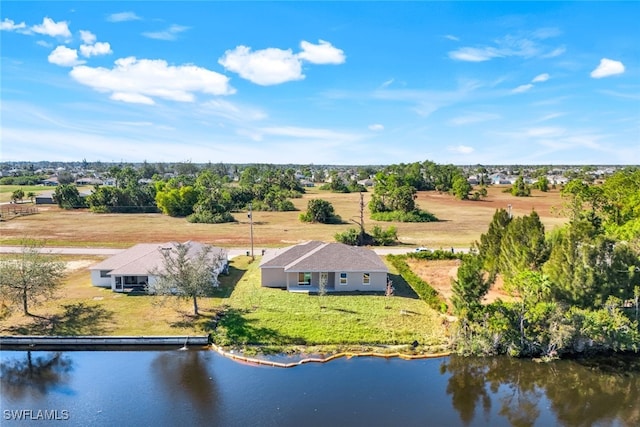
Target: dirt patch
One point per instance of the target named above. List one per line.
(440, 274)
(79, 264)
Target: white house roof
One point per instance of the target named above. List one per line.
(319, 256)
(145, 258)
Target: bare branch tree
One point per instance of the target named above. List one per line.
(30, 277)
(189, 271)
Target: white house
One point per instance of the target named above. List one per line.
(134, 268)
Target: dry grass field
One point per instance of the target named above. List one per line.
(440, 273)
(461, 222)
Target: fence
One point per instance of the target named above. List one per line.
(12, 210)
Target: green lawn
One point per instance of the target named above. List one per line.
(7, 190)
(271, 317)
(247, 315)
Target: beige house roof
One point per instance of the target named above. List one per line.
(318, 256)
(145, 258)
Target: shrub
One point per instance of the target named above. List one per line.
(422, 288)
(386, 237)
(438, 254)
(207, 217)
(400, 216)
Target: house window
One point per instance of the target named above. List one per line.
(304, 278)
(366, 279)
(104, 273)
(343, 278)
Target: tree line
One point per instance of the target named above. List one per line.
(575, 289)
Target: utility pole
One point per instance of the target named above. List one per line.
(251, 230)
(361, 219)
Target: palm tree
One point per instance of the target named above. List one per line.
(31, 195)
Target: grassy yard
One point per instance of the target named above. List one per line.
(83, 309)
(7, 190)
(250, 315)
(273, 317)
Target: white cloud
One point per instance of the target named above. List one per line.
(540, 78)
(626, 95)
(387, 83)
(427, 102)
(472, 54)
(376, 127)
(607, 67)
(310, 133)
(100, 48)
(122, 17)
(550, 116)
(544, 132)
(44, 44)
(322, 53)
(8, 25)
(452, 37)
(133, 80)
(254, 136)
(273, 66)
(264, 67)
(87, 37)
(522, 88)
(546, 33)
(169, 34)
(521, 45)
(231, 111)
(131, 98)
(461, 149)
(555, 52)
(64, 57)
(472, 118)
(51, 28)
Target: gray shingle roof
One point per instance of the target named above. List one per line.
(283, 256)
(319, 256)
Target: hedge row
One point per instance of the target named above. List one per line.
(438, 254)
(422, 288)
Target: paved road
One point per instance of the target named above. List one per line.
(93, 251)
(233, 252)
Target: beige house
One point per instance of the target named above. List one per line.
(340, 267)
(133, 268)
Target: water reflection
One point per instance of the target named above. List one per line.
(578, 395)
(34, 375)
(186, 375)
(202, 388)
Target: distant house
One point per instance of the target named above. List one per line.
(341, 267)
(45, 198)
(88, 181)
(134, 268)
(366, 182)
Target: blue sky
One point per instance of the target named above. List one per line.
(321, 82)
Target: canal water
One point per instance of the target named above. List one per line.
(190, 388)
